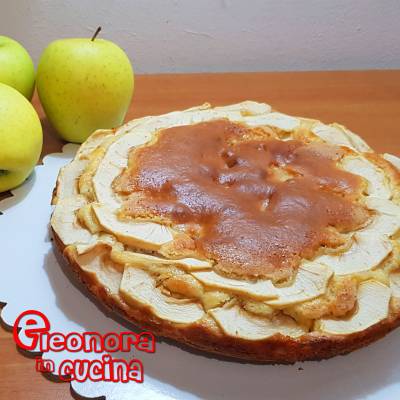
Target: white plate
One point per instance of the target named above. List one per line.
(32, 277)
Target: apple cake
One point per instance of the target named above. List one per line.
(237, 230)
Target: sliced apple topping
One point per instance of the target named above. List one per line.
(310, 282)
(112, 164)
(339, 299)
(64, 221)
(87, 218)
(373, 306)
(236, 322)
(274, 119)
(143, 260)
(102, 239)
(85, 180)
(377, 183)
(94, 140)
(209, 115)
(383, 206)
(149, 127)
(331, 134)
(147, 235)
(67, 180)
(366, 253)
(138, 286)
(395, 161)
(247, 108)
(126, 128)
(184, 285)
(262, 289)
(394, 279)
(339, 135)
(387, 220)
(358, 143)
(97, 263)
(259, 308)
(214, 298)
(102, 185)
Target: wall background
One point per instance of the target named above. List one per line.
(220, 35)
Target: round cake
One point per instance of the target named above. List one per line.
(237, 230)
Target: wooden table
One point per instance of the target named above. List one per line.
(367, 102)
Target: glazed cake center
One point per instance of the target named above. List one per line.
(253, 203)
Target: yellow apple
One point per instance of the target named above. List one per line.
(84, 85)
(21, 138)
(16, 67)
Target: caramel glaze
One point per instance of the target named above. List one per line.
(254, 204)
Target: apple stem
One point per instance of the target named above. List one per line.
(96, 33)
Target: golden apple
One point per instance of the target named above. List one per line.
(84, 85)
(16, 67)
(21, 138)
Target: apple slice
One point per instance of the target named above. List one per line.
(138, 286)
(145, 260)
(339, 135)
(111, 166)
(108, 274)
(126, 128)
(94, 140)
(236, 322)
(377, 183)
(209, 115)
(65, 224)
(147, 235)
(310, 282)
(247, 108)
(394, 279)
(383, 206)
(367, 252)
(263, 289)
(277, 120)
(331, 134)
(98, 240)
(373, 306)
(387, 220)
(395, 161)
(358, 143)
(66, 181)
(383, 224)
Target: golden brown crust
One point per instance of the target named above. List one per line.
(207, 337)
